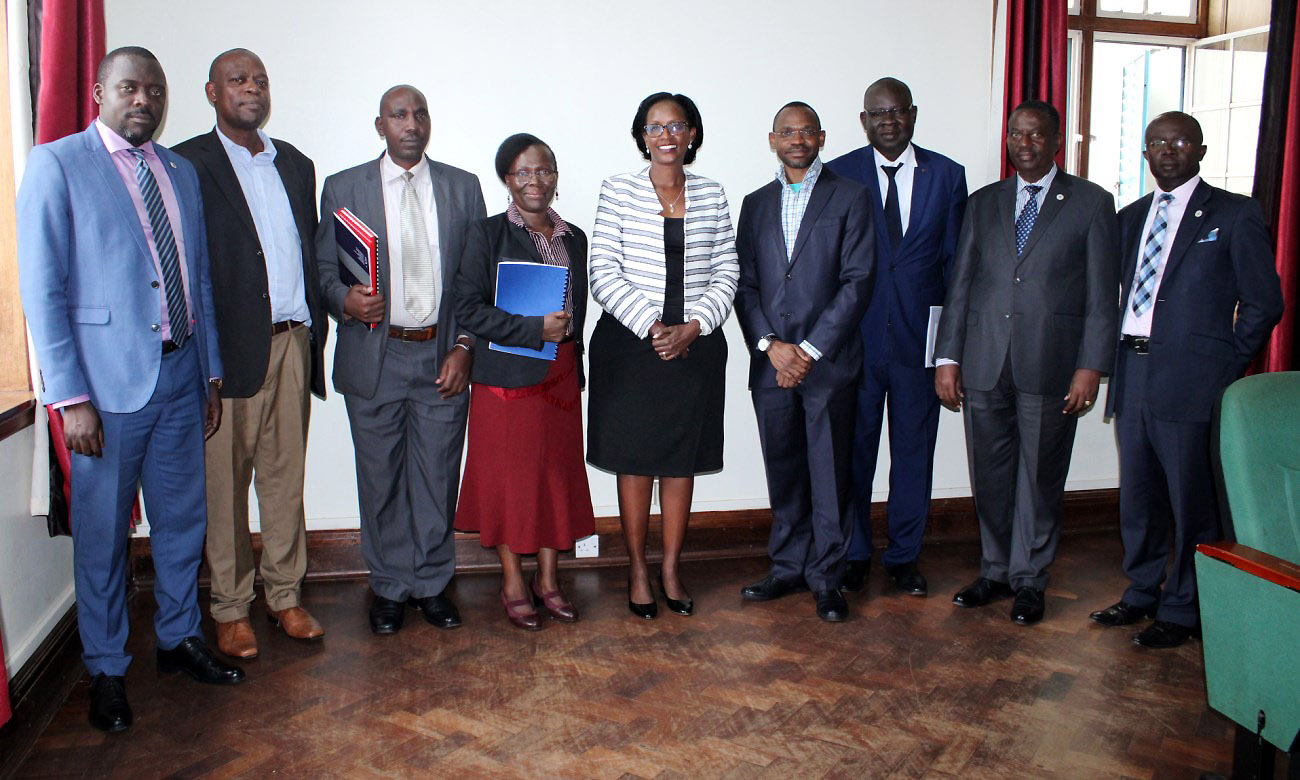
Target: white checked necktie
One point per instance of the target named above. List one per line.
(1025, 222)
(164, 241)
(417, 260)
(1144, 284)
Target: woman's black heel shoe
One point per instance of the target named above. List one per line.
(646, 611)
(683, 607)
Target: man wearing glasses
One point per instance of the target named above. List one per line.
(1028, 329)
(918, 198)
(806, 252)
(1201, 295)
(401, 363)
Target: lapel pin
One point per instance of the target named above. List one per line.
(172, 164)
(1198, 213)
(1060, 196)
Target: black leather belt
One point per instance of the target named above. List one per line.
(1139, 344)
(280, 327)
(170, 346)
(412, 334)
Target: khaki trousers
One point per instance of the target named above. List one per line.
(264, 439)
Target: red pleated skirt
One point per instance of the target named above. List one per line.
(525, 482)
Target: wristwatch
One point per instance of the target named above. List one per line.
(765, 342)
(215, 382)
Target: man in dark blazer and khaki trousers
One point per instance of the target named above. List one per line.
(1027, 331)
(261, 226)
(806, 253)
(1201, 295)
(401, 361)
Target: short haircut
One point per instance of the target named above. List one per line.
(212, 69)
(514, 146)
(1182, 117)
(692, 118)
(397, 88)
(1043, 108)
(797, 104)
(101, 72)
(890, 83)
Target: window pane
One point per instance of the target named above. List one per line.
(1122, 6)
(1249, 54)
(1243, 138)
(1212, 70)
(1241, 185)
(1172, 7)
(1214, 126)
(1131, 84)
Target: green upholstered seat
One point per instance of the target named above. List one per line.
(1250, 590)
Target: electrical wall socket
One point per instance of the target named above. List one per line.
(587, 547)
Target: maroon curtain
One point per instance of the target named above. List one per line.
(72, 44)
(1036, 68)
(1277, 175)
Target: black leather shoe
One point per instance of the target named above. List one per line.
(1028, 607)
(980, 592)
(854, 578)
(1121, 614)
(438, 610)
(648, 611)
(108, 708)
(908, 579)
(386, 615)
(770, 588)
(831, 605)
(195, 659)
(1162, 635)
(682, 607)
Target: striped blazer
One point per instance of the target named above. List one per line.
(627, 253)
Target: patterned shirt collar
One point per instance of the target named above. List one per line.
(809, 177)
(561, 227)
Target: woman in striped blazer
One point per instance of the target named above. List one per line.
(663, 267)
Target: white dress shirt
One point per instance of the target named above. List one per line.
(903, 180)
(391, 176)
(277, 232)
(1140, 325)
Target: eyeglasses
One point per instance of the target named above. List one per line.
(892, 113)
(523, 175)
(803, 132)
(1181, 144)
(673, 128)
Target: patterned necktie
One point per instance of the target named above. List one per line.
(893, 215)
(164, 242)
(1144, 284)
(417, 260)
(1025, 222)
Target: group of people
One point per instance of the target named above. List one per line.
(180, 295)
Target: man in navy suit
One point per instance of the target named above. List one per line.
(113, 269)
(806, 255)
(918, 198)
(1201, 295)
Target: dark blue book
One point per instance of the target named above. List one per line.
(530, 290)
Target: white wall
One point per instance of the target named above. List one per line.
(572, 72)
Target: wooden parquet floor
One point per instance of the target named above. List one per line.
(908, 687)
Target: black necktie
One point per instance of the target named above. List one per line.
(893, 216)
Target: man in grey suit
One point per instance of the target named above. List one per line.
(1028, 329)
(401, 362)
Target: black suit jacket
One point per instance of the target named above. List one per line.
(239, 286)
(487, 243)
(820, 292)
(1218, 300)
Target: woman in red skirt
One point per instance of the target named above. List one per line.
(525, 485)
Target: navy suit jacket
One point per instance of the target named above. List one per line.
(89, 285)
(819, 294)
(1218, 300)
(912, 278)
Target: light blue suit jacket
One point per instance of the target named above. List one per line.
(88, 282)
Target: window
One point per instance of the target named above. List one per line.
(1227, 73)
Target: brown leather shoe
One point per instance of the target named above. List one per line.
(296, 622)
(235, 639)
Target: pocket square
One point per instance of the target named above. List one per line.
(1213, 235)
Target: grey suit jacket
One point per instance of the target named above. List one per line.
(1053, 308)
(359, 352)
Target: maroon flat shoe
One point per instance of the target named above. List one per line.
(555, 603)
(528, 621)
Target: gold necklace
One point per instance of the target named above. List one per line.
(672, 206)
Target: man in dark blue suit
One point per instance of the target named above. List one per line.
(806, 255)
(113, 268)
(1201, 295)
(918, 198)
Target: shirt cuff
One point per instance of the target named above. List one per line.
(71, 401)
(813, 352)
(945, 362)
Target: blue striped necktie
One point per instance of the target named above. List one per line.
(1144, 287)
(165, 242)
(1025, 222)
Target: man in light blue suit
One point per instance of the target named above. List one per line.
(113, 270)
(919, 197)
